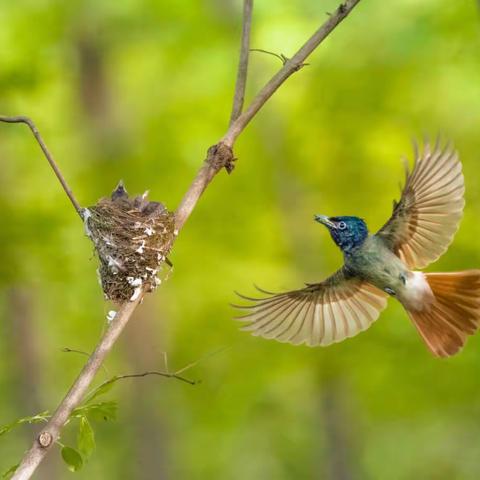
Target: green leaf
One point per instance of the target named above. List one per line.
(39, 417)
(99, 411)
(104, 410)
(85, 438)
(72, 458)
(102, 389)
(8, 474)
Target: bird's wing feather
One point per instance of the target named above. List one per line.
(427, 216)
(319, 314)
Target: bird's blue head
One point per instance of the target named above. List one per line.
(347, 232)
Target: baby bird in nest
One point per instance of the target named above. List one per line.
(444, 307)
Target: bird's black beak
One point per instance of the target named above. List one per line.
(324, 220)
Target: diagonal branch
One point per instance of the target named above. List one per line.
(213, 165)
(241, 82)
(219, 156)
(48, 155)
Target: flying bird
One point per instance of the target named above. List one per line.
(444, 307)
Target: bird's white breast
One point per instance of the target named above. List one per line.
(417, 294)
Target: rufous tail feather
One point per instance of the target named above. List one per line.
(454, 314)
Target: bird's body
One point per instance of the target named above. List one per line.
(375, 263)
(444, 307)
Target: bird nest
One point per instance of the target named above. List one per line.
(132, 237)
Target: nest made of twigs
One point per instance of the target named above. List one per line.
(132, 237)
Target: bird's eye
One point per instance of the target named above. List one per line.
(341, 225)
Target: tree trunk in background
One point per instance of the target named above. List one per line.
(150, 437)
(339, 458)
(26, 363)
(93, 88)
(104, 126)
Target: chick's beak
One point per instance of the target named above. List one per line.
(323, 219)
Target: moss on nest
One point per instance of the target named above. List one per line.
(132, 237)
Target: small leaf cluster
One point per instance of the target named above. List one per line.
(75, 457)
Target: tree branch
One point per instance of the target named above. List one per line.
(50, 434)
(280, 56)
(291, 66)
(219, 156)
(211, 167)
(48, 155)
(148, 374)
(242, 72)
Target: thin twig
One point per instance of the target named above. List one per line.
(86, 354)
(48, 155)
(219, 156)
(45, 416)
(146, 374)
(175, 375)
(72, 350)
(242, 72)
(166, 374)
(280, 56)
(209, 169)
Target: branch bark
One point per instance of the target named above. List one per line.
(219, 156)
(242, 72)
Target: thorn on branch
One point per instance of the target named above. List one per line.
(221, 156)
(300, 66)
(342, 9)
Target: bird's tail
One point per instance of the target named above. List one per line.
(454, 313)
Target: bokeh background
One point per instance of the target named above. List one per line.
(137, 90)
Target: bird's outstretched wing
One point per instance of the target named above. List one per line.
(319, 314)
(426, 218)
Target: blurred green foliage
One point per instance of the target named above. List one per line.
(138, 90)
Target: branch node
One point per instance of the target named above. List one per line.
(221, 156)
(299, 66)
(241, 82)
(283, 58)
(45, 439)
